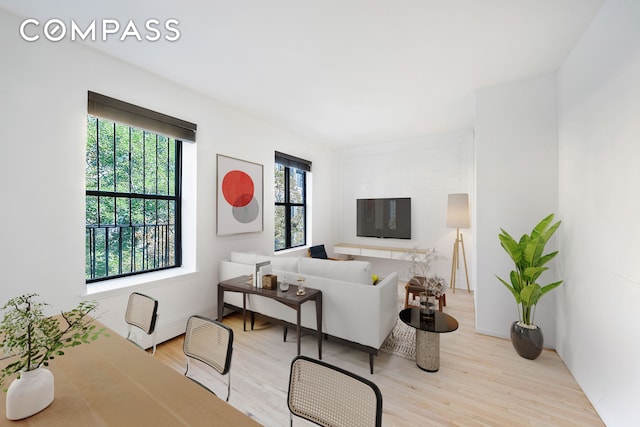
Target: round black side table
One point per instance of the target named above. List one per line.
(428, 332)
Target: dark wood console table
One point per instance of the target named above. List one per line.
(288, 298)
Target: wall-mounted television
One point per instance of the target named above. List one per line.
(384, 218)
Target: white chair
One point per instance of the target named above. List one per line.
(210, 342)
(142, 313)
(330, 396)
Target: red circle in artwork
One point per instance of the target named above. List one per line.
(237, 188)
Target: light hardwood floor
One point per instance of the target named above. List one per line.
(481, 382)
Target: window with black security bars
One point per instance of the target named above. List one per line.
(133, 204)
(290, 215)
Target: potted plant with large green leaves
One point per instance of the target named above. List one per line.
(34, 338)
(530, 260)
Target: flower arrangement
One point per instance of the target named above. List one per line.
(35, 338)
(421, 261)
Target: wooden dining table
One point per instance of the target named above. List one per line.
(112, 382)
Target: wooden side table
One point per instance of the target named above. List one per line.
(414, 289)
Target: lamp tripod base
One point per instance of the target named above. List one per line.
(455, 264)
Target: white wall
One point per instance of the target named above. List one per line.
(599, 93)
(43, 88)
(426, 169)
(517, 186)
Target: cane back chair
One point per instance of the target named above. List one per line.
(330, 396)
(210, 342)
(142, 313)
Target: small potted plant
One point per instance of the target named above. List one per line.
(34, 338)
(527, 255)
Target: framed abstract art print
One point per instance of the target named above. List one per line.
(240, 196)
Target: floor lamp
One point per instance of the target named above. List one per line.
(458, 217)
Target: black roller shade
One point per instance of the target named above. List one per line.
(123, 112)
(293, 162)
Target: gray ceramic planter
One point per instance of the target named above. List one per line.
(528, 342)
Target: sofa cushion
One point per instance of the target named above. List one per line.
(284, 263)
(318, 251)
(242, 257)
(346, 271)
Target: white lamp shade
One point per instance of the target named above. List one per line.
(458, 211)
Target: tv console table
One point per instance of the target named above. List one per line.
(386, 252)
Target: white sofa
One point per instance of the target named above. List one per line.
(353, 308)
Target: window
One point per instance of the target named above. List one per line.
(133, 192)
(290, 201)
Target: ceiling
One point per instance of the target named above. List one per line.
(344, 72)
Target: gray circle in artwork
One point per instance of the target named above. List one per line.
(246, 214)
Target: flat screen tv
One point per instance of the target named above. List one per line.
(384, 218)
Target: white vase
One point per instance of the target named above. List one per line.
(30, 393)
